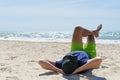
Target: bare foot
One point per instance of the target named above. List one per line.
(96, 32)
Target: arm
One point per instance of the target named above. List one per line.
(92, 63)
(49, 65)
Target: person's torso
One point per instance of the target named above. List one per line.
(80, 54)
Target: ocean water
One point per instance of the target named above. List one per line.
(58, 36)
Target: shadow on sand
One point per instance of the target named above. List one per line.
(48, 73)
(88, 75)
(72, 77)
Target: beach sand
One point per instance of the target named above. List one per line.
(18, 61)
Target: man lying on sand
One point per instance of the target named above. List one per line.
(81, 57)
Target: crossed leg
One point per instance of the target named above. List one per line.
(80, 32)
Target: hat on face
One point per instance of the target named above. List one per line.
(69, 64)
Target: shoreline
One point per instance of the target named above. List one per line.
(98, 41)
(18, 61)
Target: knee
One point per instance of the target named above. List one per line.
(78, 28)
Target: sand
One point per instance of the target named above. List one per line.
(18, 61)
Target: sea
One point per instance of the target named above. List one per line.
(57, 36)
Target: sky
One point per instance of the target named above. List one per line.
(59, 15)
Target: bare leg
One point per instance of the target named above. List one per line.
(80, 32)
(96, 32)
(91, 38)
(77, 35)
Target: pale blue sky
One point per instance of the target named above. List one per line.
(58, 15)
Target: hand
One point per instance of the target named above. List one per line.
(61, 71)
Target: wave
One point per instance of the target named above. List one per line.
(105, 37)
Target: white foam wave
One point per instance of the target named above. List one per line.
(61, 40)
